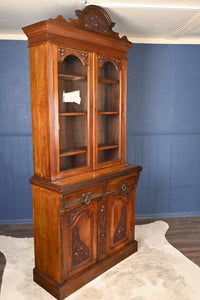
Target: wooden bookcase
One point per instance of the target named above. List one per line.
(83, 190)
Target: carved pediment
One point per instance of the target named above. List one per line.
(94, 19)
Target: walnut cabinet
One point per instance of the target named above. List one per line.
(83, 190)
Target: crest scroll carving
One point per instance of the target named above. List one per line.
(95, 18)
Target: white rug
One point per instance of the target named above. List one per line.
(156, 272)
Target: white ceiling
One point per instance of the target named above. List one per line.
(143, 21)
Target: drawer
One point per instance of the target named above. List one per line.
(83, 196)
(122, 183)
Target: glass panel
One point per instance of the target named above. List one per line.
(108, 155)
(108, 88)
(108, 137)
(72, 162)
(108, 130)
(108, 113)
(73, 133)
(108, 94)
(72, 75)
(72, 95)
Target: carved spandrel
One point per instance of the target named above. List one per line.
(72, 213)
(102, 226)
(116, 61)
(80, 251)
(62, 53)
(120, 232)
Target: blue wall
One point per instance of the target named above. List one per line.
(16, 162)
(163, 129)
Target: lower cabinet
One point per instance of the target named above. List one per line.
(80, 233)
(95, 230)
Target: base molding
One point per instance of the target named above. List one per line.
(60, 291)
(168, 215)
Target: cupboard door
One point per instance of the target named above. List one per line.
(74, 109)
(108, 111)
(120, 223)
(79, 239)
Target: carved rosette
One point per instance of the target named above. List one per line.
(116, 61)
(93, 21)
(80, 251)
(120, 232)
(102, 226)
(62, 53)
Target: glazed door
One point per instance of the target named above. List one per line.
(79, 239)
(108, 111)
(74, 107)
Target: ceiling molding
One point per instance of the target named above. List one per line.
(11, 36)
(140, 6)
(152, 40)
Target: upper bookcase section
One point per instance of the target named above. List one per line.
(92, 28)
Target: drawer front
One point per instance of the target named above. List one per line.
(122, 183)
(83, 196)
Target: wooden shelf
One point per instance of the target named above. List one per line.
(108, 113)
(64, 153)
(107, 147)
(72, 114)
(71, 77)
(108, 81)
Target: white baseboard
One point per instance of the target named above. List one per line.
(168, 215)
(138, 216)
(17, 221)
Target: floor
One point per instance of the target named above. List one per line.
(183, 233)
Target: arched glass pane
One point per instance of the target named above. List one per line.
(72, 99)
(108, 113)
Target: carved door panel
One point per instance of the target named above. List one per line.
(119, 222)
(79, 239)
